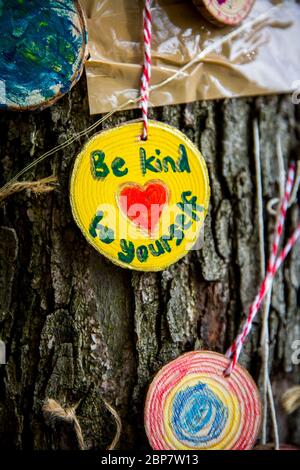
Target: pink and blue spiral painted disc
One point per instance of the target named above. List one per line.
(43, 46)
(190, 405)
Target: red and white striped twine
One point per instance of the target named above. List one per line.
(147, 67)
(273, 266)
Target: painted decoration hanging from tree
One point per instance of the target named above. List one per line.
(140, 203)
(140, 192)
(43, 46)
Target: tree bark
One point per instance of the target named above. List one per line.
(79, 329)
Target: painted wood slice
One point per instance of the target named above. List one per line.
(190, 405)
(140, 203)
(43, 46)
(224, 12)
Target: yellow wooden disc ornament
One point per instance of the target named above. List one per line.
(140, 203)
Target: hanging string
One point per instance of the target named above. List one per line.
(291, 399)
(54, 412)
(215, 45)
(273, 415)
(146, 75)
(280, 160)
(265, 327)
(259, 196)
(262, 257)
(234, 351)
(118, 422)
(267, 393)
(273, 265)
(67, 143)
(209, 49)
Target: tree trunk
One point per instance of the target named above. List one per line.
(79, 329)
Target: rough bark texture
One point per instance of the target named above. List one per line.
(79, 329)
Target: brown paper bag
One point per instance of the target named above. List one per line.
(264, 58)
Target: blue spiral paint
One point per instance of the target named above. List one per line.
(40, 50)
(198, 416)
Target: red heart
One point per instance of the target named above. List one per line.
(143, 205)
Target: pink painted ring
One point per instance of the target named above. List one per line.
(190, 405)
(225, 12)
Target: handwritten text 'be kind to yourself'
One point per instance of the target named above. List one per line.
(185, 213)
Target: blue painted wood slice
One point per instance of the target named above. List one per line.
(43, 46)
